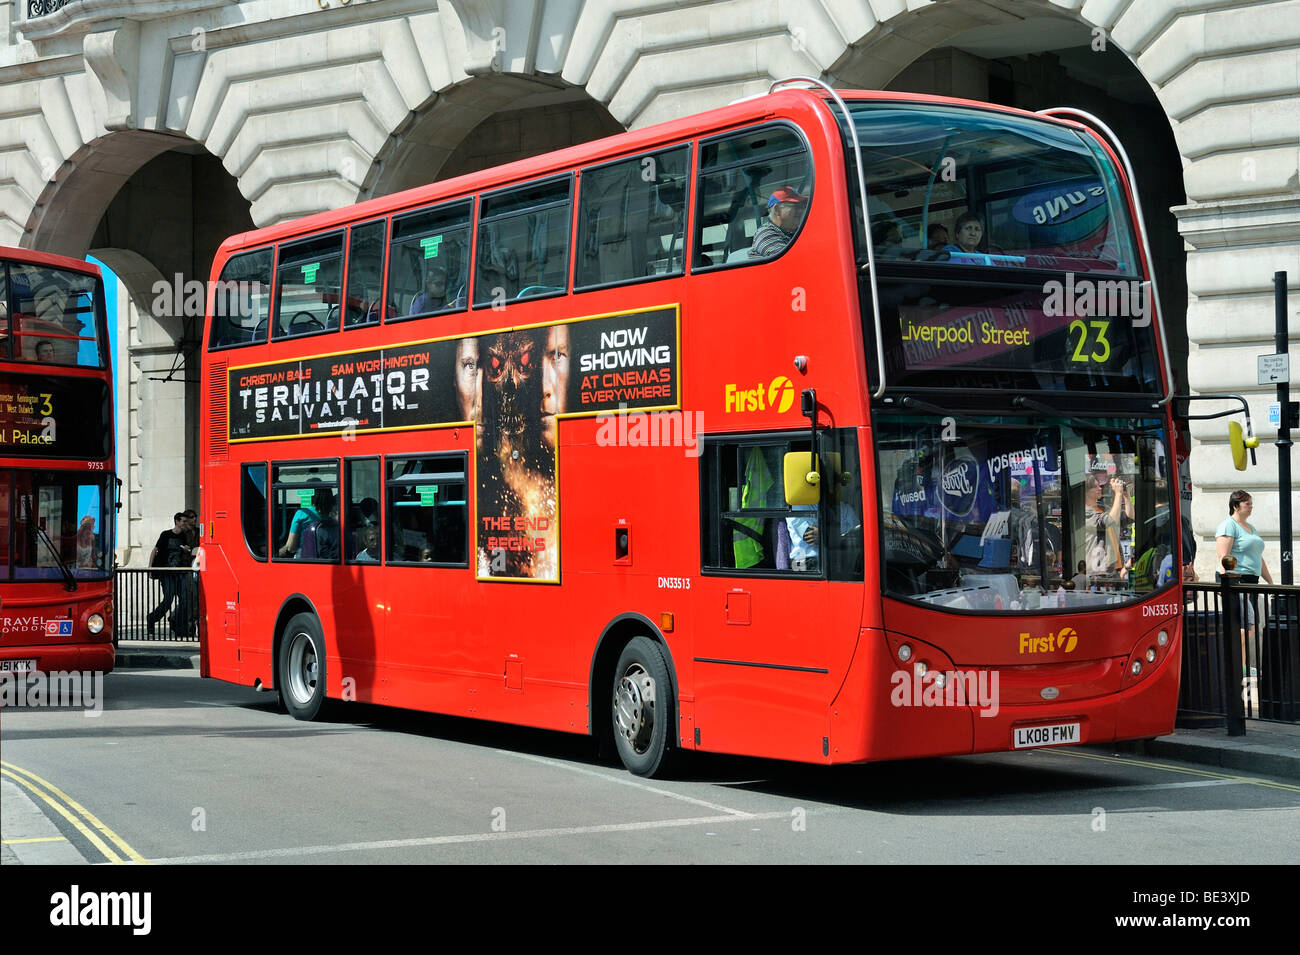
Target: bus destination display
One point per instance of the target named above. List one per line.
(63, 417)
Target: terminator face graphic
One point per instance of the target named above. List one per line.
(511, 372)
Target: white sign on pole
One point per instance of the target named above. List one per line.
(1274, 368)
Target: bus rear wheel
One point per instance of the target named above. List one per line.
(302, 667)
(643, 708)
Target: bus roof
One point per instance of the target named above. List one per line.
(745, 110)
(49, 258)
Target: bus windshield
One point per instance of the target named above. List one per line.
(60, 522)
(49, 315)
(1021, 517)
(962, 187)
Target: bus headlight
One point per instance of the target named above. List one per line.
(1151, 654)
(1162, 637)
(920, 668)
(941, 680)
(1137, 667)
(905, 653)
(94, 623)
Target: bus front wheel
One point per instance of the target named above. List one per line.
(643, 708)
(302, 667)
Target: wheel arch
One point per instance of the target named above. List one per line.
(292, 605)
(615, 636)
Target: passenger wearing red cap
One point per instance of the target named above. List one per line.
(785, 210)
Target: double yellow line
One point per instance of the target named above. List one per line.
(78, 815)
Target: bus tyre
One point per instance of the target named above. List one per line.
(302, 667)
(643, 708)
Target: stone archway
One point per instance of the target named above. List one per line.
(485, 121)
(152, 208)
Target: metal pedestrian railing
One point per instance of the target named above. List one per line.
(156, 603)
(1241, 654)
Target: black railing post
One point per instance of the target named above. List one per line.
(1233, 700)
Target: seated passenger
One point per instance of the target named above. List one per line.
(785, 211)
(434, 295)
(887, 239)
(970, 233)
(936, 237)
(369, 544)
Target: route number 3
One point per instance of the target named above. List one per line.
(1100, 345)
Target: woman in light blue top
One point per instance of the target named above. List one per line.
(1237, 537)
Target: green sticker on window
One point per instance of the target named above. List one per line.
(428, 494)
(309, 273)
(304, 496)
(430, 245)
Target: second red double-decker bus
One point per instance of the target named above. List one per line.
(57, 482)
(823, 427)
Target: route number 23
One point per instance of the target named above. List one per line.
(1100, 344)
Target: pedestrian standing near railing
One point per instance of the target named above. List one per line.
(1237, 538)
(171, 551)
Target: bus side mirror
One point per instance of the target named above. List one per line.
(1239, 443)
(802, 480)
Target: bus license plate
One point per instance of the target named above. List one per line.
(17, 666)
(1058, 734)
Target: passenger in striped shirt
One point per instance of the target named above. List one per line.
(785, 211)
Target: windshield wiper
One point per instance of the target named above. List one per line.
(69, 579)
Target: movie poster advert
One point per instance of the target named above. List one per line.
(513, 385)
(49, 417)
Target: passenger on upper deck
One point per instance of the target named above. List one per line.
(785, 210)
(970, 233)
(434, 295)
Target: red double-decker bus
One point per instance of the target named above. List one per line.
(823, 427)
(57, 482)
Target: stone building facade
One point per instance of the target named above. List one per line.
(146, 132)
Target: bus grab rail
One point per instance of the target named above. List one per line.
(1099, 126)
(866, 216)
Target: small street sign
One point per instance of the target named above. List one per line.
(1274, 368)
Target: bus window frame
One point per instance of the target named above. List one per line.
(711, 482)
(244, 466)
(274, 249)
(471, 226)
(699, 174)
(386, 221)
(691, 147)
(273, 548)
(346, 525)
(386, 501)
(571, 176)
(342, 232)
(100, 336)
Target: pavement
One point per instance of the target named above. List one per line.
(1267, 749)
